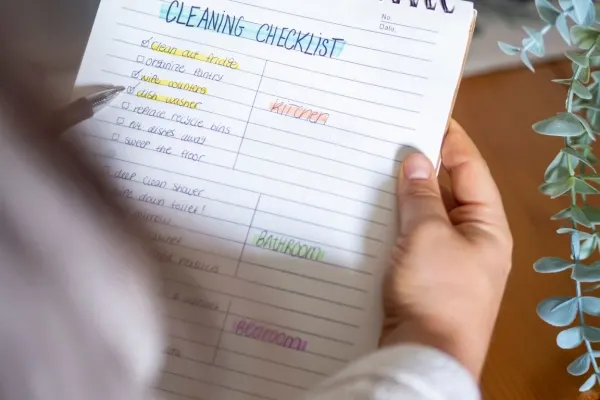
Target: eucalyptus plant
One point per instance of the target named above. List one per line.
(572, 174)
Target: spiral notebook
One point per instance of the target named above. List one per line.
(261, 140)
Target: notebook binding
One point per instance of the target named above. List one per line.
(430, 5)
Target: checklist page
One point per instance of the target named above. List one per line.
(260, 141)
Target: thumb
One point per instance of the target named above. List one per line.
(419, 195)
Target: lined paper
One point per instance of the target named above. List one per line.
(265, 165)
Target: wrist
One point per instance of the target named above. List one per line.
(459, 343)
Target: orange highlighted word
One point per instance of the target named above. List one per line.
(296, 111)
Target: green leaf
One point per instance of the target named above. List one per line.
(590, 305)
(578, 58)
(591, 289)
(579, 216)
(583, 37)
(591, 178)
(585, 12)
(582, 235)
(509, 48)
(563, 124)
(591, 334)
(550, 265)
(547, 11)
(558, 311)
(526, 61)
(580, 90)
(586, 274)
(586, 126)
(589, 383)
(570, 338)
(534, 43)
(558, 169)
(580, 366)
(587, 247)
(592, 214)
(578, 156)
(583, 187)
(558, 188)
(563, 214)
(563, 28)
(563, 81)
(590, 106)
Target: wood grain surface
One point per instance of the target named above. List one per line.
(498, 110)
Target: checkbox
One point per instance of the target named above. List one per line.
(125, 105)
(141, 59)
(120, 121)
(136, 74)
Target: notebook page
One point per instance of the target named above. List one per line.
(264, 160)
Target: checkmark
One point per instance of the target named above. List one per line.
(120, 121)
(136, 74)
(141, 59)
(125, 105)
(145, 43)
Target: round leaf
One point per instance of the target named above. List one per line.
(581, 91)
(547, 11)
(563, 124)
(509, 48)
(580, 366)
(583, 37)
(589, 383)
(591, 305)
(584, 11)
(558, 188)
(591, 334)
(578, 58)
(563, 28)
(585, 274)
(558, 311)
(570, 338)
(549, 265)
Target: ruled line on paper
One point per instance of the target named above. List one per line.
(178, 394)
(289, 328)
(247, 172)
(250, 115)
(247, 208)
(212, 365)
(263, 76)
(247, 55)
(218, 385)
(252, 106)
(345, 43)
(267, 304)
(333, 23)
(217, 347)
(279, 130)
(235, 187)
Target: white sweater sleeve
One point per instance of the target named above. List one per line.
(397, 373)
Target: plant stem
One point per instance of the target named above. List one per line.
(569, 107)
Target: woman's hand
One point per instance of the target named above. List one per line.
(452, 257)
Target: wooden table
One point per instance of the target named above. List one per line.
(498, 110)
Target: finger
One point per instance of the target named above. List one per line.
(448, 199)
(69, 116)
(472, 183)
(471, 179)
(419, 197)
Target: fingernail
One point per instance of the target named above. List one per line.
(417, 166)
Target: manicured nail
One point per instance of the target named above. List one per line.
(417, 166)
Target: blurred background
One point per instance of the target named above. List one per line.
(497, 103)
